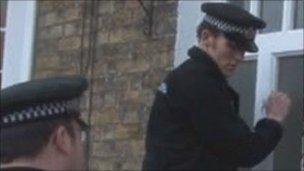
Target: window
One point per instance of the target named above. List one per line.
(298, 22)
(272, 12)
(287, 155)
(18, 32)
(3, 5)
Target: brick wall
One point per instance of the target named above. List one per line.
(128, 67)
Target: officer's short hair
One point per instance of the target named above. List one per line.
(205, 25)
(28, 140)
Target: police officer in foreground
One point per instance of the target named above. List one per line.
(194, 122)
(41, 127)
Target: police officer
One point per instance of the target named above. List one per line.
(41, 127)
(194, 122)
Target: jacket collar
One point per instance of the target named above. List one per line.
(196, 53)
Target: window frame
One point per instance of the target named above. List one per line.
(20, 27)
(2, 31)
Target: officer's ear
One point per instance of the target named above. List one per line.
(62, 140)
(205, 35)
(207, 38)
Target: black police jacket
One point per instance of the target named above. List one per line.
(194, 123)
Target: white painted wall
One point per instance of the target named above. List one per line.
(189, 16)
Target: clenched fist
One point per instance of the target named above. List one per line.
(277, 106)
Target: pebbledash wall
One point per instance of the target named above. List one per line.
(123, 62)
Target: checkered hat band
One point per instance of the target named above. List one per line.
(223, 25)
(40, 111)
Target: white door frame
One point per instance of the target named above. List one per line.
(286, 43)
(267, 69)
(18, 42)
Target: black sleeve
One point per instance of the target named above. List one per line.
(222, 132)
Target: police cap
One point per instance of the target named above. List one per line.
(237, 24)
(41, 99)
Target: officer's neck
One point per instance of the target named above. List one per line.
(211, 53)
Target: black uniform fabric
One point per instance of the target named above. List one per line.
(194, 123)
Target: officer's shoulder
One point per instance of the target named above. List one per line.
(190, 69)
(190, 74)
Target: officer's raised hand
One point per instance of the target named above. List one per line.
(277, 106)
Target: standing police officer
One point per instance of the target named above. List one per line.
(41, 127)
(194, 122)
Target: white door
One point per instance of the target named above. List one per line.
(280, 55)
(282, 51)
